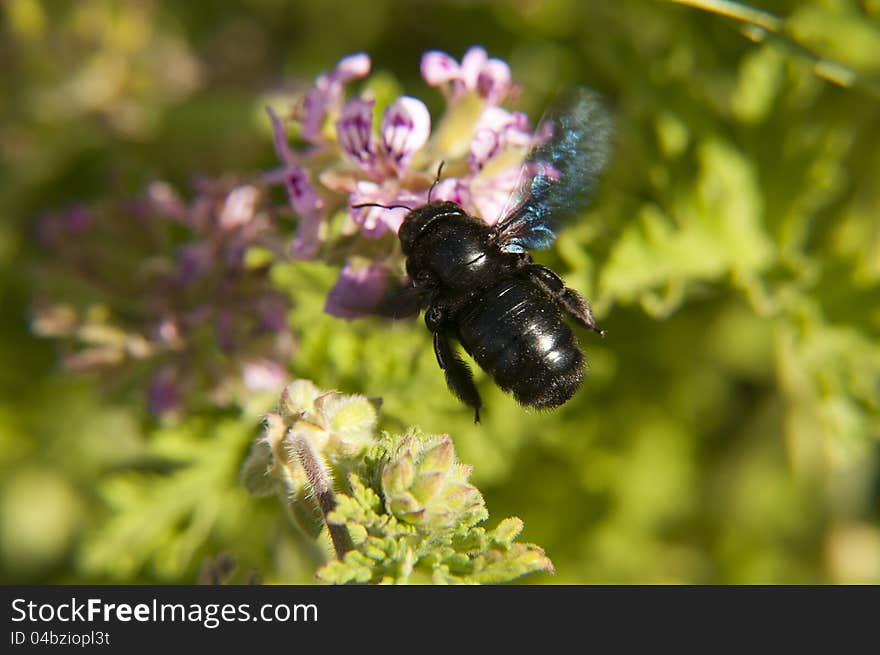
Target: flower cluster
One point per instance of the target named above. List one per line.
(346, 160)
(175, 296)
(172, 294)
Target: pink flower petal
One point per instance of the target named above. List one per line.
(491, 196)
(304, 197)
(493, 82)
(317, 101)
(501, 120)
(377, 221)
(484, 146)
(357, 292)
(307, 239)
(497, 130)
(489, 78)
(438, 68)
(279, 139)
(352, 67)
(168, 331)
(162, 199)
(472, 65)
(354, 129)
(452, 189)
(163, 393)
(406, 126)
(239, 207)
(327, 94)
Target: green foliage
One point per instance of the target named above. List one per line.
(389, 549)
(162, 520)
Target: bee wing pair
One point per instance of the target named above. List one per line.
(559, 174)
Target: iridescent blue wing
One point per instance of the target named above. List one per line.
(561, 171)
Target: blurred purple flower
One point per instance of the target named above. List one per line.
(357, 291)
(178, 303)
(489, 78)
(195, 259)
(327, 93)
(163, 394)
(239, 207)
(264, 375)
(304, 198)
(55, 227)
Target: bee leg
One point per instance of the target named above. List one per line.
(569, 299)
(458, 376)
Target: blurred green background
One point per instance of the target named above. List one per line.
(728, 429)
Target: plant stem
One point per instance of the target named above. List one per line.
(321, 484)
(760, 25)
(740, 12)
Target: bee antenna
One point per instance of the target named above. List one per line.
(436, 180)
(376, 204)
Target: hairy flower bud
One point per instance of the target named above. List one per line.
(425, 486)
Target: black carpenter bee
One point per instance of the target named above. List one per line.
(478, 284)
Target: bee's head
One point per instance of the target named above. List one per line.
(417, 221)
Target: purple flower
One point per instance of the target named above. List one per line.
(357, 291)
(488, 78)
(78, 220)
(179, 306)
(453, 189)
(304, 198)
(498, 129)
(406, 125)
(327, 93)
(224, 329)
(354, 129)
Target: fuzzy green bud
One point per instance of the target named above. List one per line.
(298, 398)
(425, 486)
(350, 421)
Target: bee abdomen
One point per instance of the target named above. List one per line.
(517, 334)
